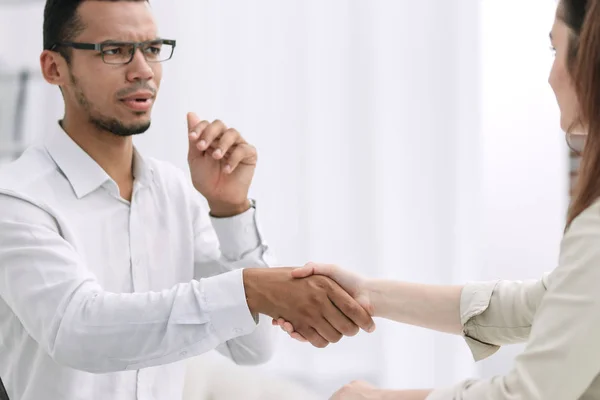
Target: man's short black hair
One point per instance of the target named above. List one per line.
(62, 22)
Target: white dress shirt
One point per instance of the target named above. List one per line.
(558, 316)
(101, 298)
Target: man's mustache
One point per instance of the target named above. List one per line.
(143, 86)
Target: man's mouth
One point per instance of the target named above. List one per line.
(141, 101)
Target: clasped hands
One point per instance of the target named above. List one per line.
(356, 299)
(309, 305)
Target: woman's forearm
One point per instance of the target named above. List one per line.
(429, 306)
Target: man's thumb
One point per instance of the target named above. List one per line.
(192, 120)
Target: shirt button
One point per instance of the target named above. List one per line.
(238, 330)
(183, 353)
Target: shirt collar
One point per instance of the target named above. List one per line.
(83, 173)
(143, 173)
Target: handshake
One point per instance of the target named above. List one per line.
(318, 303)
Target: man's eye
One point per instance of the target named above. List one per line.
(153, 50)
(113, 51)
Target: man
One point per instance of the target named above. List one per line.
(110, 269)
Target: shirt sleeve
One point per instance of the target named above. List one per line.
(228, 244)
(62, 306)
(562, 356)
(494, 314)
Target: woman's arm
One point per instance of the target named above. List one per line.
(428, 306)
(488, 314)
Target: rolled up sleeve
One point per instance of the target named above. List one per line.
(474, 301)
(562, 357)
(498, 313)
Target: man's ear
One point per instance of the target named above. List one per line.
(54, 68)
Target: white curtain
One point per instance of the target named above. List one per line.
(393, 138)
(365, 115)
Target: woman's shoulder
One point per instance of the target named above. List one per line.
(580, 246)
(586, 222)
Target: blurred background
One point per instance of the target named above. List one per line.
(411, 140)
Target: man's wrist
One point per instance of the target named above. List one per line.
(220, 210)
(252, 289)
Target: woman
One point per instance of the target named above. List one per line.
(559, 315)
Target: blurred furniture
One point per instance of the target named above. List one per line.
(13, 86)
(214, 377)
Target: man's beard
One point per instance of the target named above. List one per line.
(116, 127)
(111, 125)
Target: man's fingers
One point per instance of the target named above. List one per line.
(313, 337)
(284, 325)
(192, 121)
(323, 326)
(346, 304)
(211, 133)
(193, 139)
(217, 141)
(287, 327)
(340, 322)
(195, 127)
(242, 153)
(195, 132)
(298, 337)
(229, 138)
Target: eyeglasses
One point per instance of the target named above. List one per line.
(121, 53)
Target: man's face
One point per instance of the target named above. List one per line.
(115, 98)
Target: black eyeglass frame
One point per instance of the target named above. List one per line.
(100, 46)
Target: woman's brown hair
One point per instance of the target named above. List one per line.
(583, 18)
